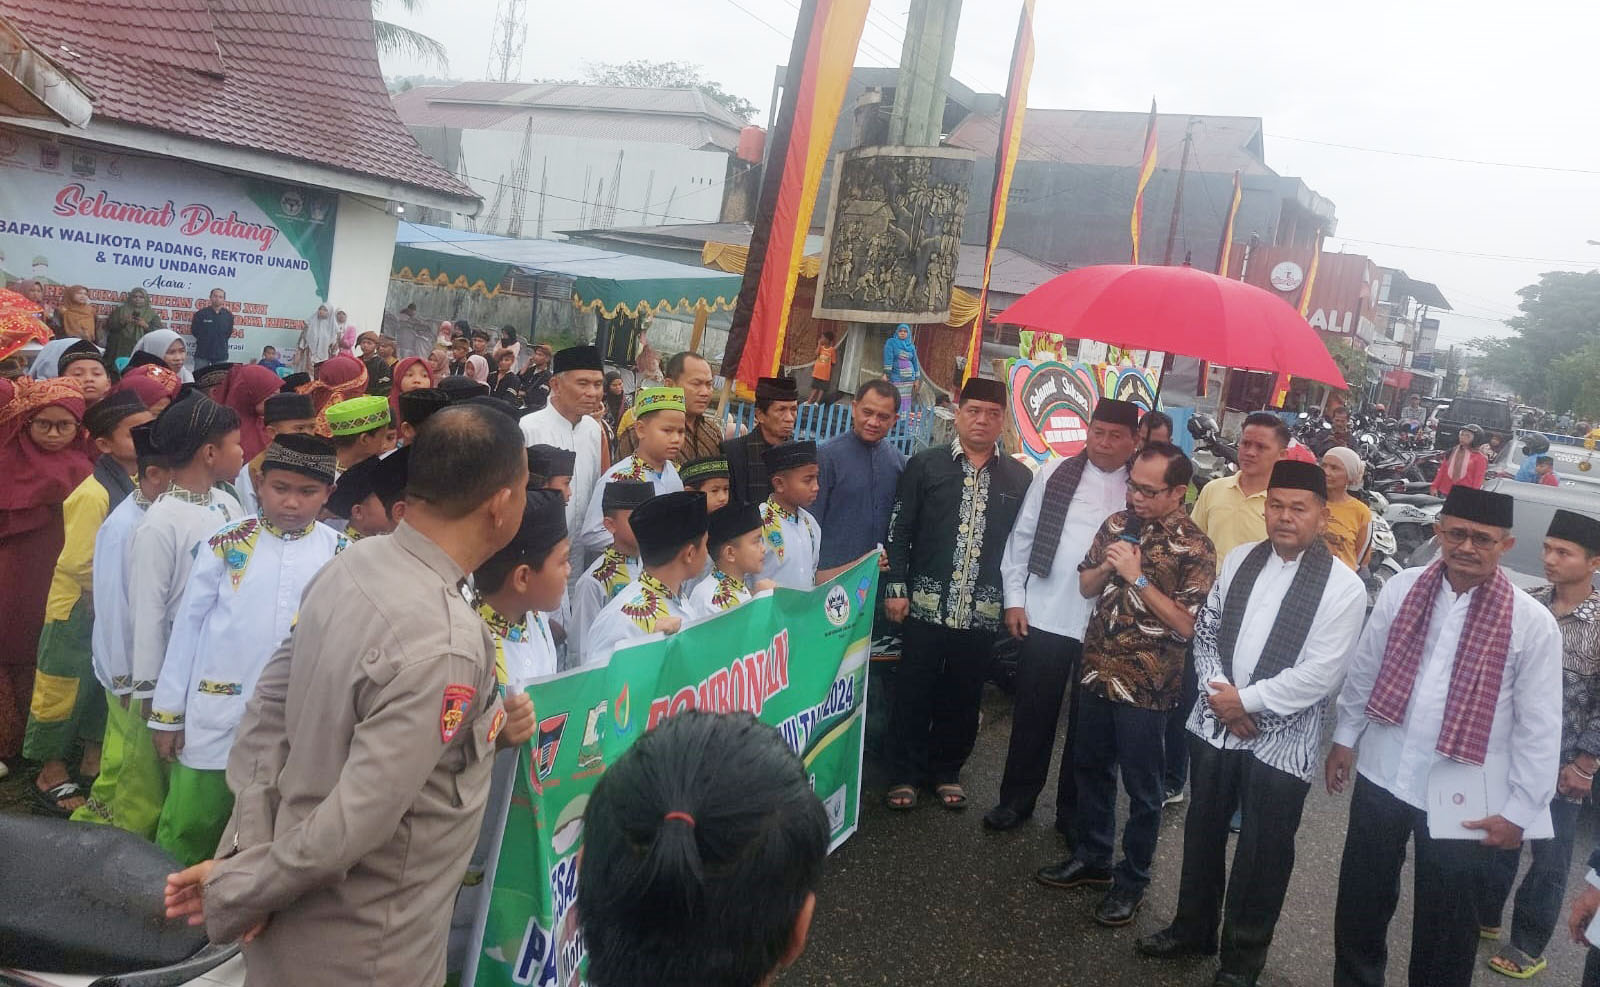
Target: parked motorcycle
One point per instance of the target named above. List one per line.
(1213, 457)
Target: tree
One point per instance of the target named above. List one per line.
(1352, 363)
(641, 73)
(394, 39)
(1560, 318)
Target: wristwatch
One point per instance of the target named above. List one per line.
(1142, 582)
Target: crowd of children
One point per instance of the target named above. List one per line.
(185, 522)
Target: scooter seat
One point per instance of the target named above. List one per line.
(1416, 500)
(84, 898)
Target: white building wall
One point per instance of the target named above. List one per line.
(363, 247)
(660, 183)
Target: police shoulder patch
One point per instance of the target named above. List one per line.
(457, 702)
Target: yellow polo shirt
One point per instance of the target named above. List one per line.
(1228, 517)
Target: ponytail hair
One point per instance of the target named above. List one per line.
(701, 846)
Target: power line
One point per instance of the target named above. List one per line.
(1515, 258)
(1437, 157)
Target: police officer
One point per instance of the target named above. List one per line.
(362, 764)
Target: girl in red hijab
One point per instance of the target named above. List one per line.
(339, 378)
(410, 374)
(157, 386)
(245, 389)
(41, 461)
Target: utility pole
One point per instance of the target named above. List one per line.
(925, 60)
(1177, 200)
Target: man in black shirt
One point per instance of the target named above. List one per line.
(211, 327)
(952, 515)
(777, 406)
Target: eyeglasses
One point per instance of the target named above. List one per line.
(1458, 536)
(46, 427)
(1145, 491)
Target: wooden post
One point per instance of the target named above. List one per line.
(701, 313)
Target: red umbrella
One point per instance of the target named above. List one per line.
(1177, 310)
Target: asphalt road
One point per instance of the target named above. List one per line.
(930, 897)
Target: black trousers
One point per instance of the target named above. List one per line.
(1176, 770)
(1539, 899)
(1444, 919)
(937, 688)
(1048, 666)
(1262, 862)
(1116, 737)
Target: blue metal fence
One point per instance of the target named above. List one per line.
(820, 422)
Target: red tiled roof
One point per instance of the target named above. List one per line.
(297, 78)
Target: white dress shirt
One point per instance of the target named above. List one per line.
(111, 640)
(629, 617)
(717, 593)
(1290, 745)
(547, 426)
(238, 605)
(1054, 603)
(246, 489)
(533, 657)
(1527, 716)
(590, 594)
(793, 546)
(594, 535)
(159, 561)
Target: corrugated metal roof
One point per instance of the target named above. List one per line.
(1221, 143)
(297, 78)
(684, 117)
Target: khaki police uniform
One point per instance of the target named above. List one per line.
(361, 771)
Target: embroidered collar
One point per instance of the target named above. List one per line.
(351, 533)
(140, 499)
(781, 511)
(958, 454)
(500, 625)
(654, 585)
(280, 533)
(188, 496)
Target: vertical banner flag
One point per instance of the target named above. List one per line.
(1280, 386)
(796, 660)
(1224, 250)
(1005, 164)
(1147, 168)
(820, 60)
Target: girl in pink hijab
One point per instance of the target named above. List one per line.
(478, 368)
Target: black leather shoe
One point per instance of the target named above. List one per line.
(1225, 979)
(1167, 945)
(1003, 817)
(1118, 908)
(1074, 873)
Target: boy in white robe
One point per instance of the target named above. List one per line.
(659, 426)
(792, 535)
(734, 540)
(609, 574)
(239, 605)
(671, 532)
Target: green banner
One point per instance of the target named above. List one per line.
(796, 660)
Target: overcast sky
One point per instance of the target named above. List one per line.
(1424, 78)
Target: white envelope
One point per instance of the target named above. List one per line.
(1459, 793)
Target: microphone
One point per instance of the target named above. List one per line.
(1130, 534)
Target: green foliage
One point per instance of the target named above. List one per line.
(403, 41)
(643, 73)
(1555, 341)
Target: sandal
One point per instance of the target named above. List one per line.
(1489, 932)
(1513, 962)
(48, 800)
(952, 797)
(901, 798)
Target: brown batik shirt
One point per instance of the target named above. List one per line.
(1129, 655)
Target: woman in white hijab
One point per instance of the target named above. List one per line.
(168, 347)
(318, 341)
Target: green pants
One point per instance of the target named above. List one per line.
(196, 811)
(67, 703)
(133, 780)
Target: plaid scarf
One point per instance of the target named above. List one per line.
(1480, 664)
(1058, 494)
(1292, 623)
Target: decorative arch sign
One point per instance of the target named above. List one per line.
(1051, 401)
